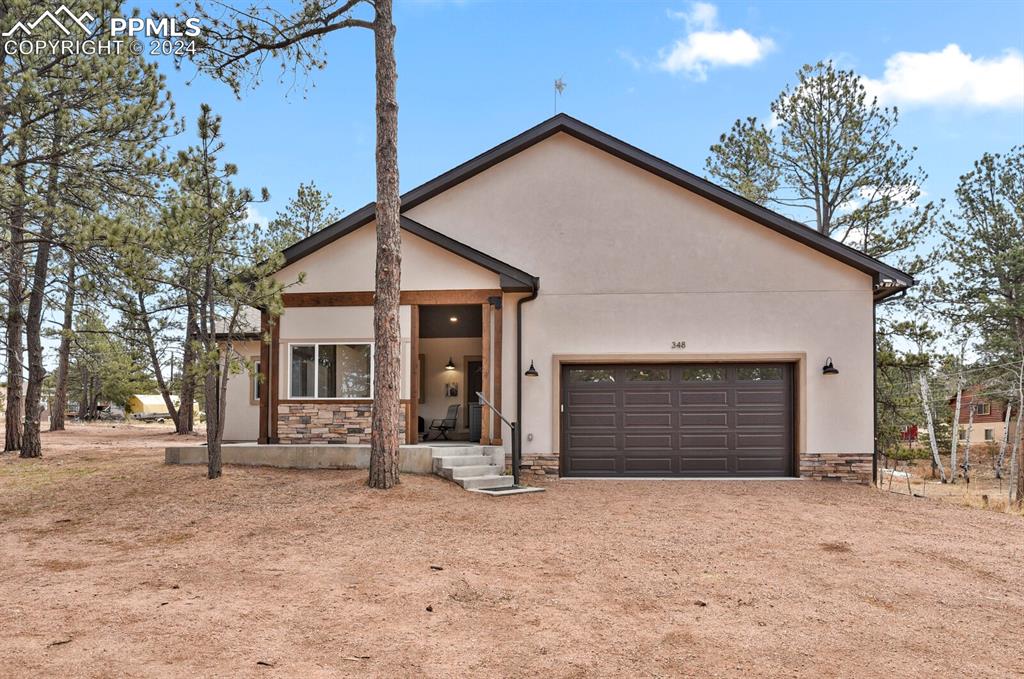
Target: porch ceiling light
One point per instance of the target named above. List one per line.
(828, 368)
(450, 365)
(531, 371)
(454, 319)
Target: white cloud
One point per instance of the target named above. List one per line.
(254, 216)
(951, 77)
(704, 47)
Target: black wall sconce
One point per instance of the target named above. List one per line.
(828, 368)
(450, 365)
(531, 371)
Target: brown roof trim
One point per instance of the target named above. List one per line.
(888, 279)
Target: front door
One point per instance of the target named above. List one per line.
(474, 383)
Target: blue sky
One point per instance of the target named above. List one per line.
(668, 77)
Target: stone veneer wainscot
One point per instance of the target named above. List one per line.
(344, 422)
(842, 467)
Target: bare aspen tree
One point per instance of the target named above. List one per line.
(926, 402)
(1001, 460)
(966, 465)
(955, 429)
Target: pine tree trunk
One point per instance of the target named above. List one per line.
(60, 392)
(1017, 458)
(211, 389)
(154, 357)
(185, 422)
(32, 443)
(926, 400)
(384, 436)
(15, 321)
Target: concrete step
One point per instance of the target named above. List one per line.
(449, 461)
(489, 481)
(452, 451)
(472, 471)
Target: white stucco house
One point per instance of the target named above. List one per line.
(637, 320)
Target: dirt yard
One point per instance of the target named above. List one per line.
(112, 564)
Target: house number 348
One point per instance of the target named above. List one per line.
(678, 344)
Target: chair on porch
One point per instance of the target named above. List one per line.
(444, 425)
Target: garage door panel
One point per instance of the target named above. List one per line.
(704, 466)
(592, 397)
(652, 466)
(746, 397)
(648, 441)
(646, 398)
(593, 466)
(681, 420)
(690, 442)
(585, 420)
(584, 442)
(768, 465)
(764, 440)
(635, 420)
(768, 418)
(704, 396)
(703, 419)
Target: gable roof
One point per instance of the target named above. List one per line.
(888, 280)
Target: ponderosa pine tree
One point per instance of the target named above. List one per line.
(98, 147)
(233, 47)
(205, 223)
(306, 213)
(830, 153)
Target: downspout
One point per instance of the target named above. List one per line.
(517, 435)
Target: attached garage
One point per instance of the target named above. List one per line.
(681, 420)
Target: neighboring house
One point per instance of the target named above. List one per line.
(152, 406)
(989, 415)
(673, 328)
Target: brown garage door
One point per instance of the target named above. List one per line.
(677, 420)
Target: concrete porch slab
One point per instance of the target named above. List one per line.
(412, 459)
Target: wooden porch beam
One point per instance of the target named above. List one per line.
(365, 298)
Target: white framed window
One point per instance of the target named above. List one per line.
(982, 408)
(255, 384)
(330, 370)
(990, 435)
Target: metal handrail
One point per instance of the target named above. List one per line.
(517, 450)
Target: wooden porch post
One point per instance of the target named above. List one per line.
(499, 312)
(485, 369)
(275, 378)
(412, 426)
(264, 379)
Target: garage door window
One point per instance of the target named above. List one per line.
(647, 374)
(759, 374)
(704, 374)
(591, 375)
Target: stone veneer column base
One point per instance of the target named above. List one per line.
(536, 464)
(327, 423)
(842, 467)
